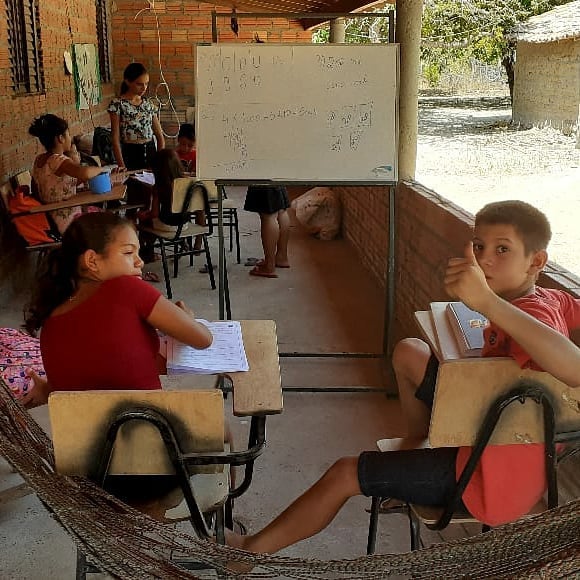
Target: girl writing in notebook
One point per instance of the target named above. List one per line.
(98, 317)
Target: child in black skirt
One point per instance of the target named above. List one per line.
(271, 203)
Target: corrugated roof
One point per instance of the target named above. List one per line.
(558, 24)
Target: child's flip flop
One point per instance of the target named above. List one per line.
(259, 271)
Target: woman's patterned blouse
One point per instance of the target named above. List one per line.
(136, 121)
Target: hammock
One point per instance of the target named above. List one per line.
(128, 544)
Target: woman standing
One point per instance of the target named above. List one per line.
(134, 121)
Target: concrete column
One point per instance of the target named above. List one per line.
(337, 30)
(408, 35)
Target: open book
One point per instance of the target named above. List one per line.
(225, 355)
(437, 330)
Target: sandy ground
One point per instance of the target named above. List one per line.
(469, 153)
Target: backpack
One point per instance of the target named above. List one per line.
(34, 228)
(103, 145)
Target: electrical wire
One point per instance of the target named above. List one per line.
(163, 84)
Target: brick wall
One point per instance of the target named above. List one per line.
(429, 229)
(547, 84)
(182, 25)
(18, 149)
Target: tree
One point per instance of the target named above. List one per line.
(476, 28)
(456, 30)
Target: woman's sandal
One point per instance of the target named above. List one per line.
(258, 270)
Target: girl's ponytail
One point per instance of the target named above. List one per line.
(124, 88)
(55, 283)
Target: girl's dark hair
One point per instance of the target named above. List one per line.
(132, 72)
(47, 128)
(58, 279)
(186, 130)
(166, 166)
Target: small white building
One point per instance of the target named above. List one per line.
(547, 69)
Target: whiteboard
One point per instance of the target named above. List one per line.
(316, 112)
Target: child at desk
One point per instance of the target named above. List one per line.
(466, 281)
(166, 167)
(98, 317)
(57, 172)
(186, 147)
(509, 244)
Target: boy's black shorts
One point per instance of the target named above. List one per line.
(422, 476)
(426, 390)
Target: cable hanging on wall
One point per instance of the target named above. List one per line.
(163, 85)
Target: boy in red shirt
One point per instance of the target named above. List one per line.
(509, 244)
(186, 147)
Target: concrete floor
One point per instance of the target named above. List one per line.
(326, 302)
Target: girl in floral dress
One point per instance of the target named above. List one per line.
(57, 172)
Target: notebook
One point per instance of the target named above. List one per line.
(225, 355)
(467, 326)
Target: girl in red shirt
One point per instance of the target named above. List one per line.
(98, 317)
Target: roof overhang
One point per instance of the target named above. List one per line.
(298, 8)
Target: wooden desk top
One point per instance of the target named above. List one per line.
(467, 387)
(257, 391)
(116, 193)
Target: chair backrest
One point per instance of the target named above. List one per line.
(23, 178)
(5, 192)
(80, 422)
(212, 190)
(184, 186)
(466, 388)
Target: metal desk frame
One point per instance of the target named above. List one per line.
(223, 284)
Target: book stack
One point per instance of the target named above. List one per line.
(467, 325)
(225, 355)
(452, 330)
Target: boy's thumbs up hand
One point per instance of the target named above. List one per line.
(469, 253)
(465, 280)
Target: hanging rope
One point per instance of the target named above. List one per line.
(163, 86)
(131, 545)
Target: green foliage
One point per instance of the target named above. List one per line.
(454, 31)
(432, 73)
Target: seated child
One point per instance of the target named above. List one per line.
(510, 241)
(166, 167)
(186, 147)
(57, 172)
(98, 318)
(556, 353)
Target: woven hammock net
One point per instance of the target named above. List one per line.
(128, 544)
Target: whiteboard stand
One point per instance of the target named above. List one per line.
(225, 312)
(316, 114)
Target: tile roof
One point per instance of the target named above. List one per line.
(560, 23)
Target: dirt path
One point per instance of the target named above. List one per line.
(469, 153)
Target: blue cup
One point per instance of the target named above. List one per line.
(100, 183)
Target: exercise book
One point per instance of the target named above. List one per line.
(225, 355)
(467, 326)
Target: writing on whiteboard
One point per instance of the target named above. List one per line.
(298, 112)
